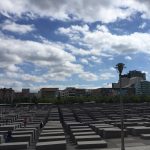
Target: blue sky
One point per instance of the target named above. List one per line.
(77, 43)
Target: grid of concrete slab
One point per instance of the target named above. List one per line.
(76, 126)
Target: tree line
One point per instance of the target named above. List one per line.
(82, 99)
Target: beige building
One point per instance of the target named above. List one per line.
(72, 92)
(48, 92)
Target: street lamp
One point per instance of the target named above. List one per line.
(120, 67)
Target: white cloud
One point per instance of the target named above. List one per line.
(112, 69)
(128, 57)
(95, 59)
(10, 83)
(57, 64)
(88, 76)
(87, 10)
(18, 28)
(106, 76)
(143, 7)
(143, 25)
(103, 43)
(75, 50)
(36, 52)
(102, 28)
(84, 61)
(111, 58)
(33, 8)
(59, 59)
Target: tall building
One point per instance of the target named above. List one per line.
(48, 92)
(6, 95)
(142, 88)
(130, 79)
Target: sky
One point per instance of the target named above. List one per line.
(72, 43)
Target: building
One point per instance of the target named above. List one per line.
(81, 92)
(49, 92)
(112, 91)
(130, 79)
(142, 88)
(25, 96)
(26, 93)
(124, 91)
(69, 92)
(72, 92)
(95, 92)
(7, 95)
(136, 73)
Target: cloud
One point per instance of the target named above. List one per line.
(128, 58)
(49, 58)
(109, 44)
(112, 69)
(84, 61)
(106, 76)
(10, 82)
(77, 51)
(88, 76)
(143, 25)
(59, 61)
(18, 28)
(89, 11)
(143, 7)
(36, 52)
(102, 28)
(95, 59)
(110, 58)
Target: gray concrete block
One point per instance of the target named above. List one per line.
(52, 133)
(91, 144)
(51, 138)
(145, 136)
(140, 130)
(112, 133)
(87, 138)
(53, 145)
(14, 146)
(22, 138)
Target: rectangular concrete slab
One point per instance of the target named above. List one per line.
(52, 133)
(22, 138)
(14, 146)
(87, 138)
(145, 136)
(51, 138)
(91, 144)
(54, 145)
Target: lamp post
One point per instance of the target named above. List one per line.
(120, 67)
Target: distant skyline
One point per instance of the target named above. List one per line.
(72, 43)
